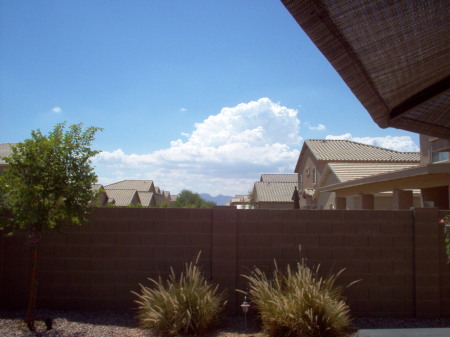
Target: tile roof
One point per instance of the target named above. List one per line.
(274, 192)
(159, 199)
(5, 151)
(146, 198)
(138, 185)
(279, 178)
(96, 187)
(121, 197)
(346, 150)
(350, 171)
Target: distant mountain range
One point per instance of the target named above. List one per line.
(220, 200)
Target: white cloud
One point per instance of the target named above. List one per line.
(225, 153)
(397, 143)
(183, 109)
(319, 127)
(56, 110)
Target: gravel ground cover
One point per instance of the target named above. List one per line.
(115, 324)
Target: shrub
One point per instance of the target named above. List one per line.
(446, 222)
(185, 305)
(299, 303)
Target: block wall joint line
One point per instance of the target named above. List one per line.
(423, 265)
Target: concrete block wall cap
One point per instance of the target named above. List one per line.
(421, 332)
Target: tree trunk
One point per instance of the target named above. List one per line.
(35, 243)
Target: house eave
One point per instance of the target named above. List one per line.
(425, 176)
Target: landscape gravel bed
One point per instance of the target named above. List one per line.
(118, 324)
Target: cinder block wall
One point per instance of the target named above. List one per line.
(398, 256)
(96, 266)
(373, 246)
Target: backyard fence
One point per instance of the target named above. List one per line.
(398, 256)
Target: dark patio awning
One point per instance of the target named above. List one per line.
(393, 55)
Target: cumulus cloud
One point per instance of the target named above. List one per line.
(225, 153)
(397, 143)
(319, 127)
(183, 109)
(56, 110)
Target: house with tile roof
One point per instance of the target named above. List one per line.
(273, 190)
(274, 195)
(147, 199)
(132, 193)
(138, 185)
(102, 198)
(5, 151)
(123, 197)
(241, 201)
(147, 194)
(317, 155)
(335, 173)
(431, 177)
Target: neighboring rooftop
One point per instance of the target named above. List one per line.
(138, 185)
(121, 197)
(274, 192)
(346, 150)
(279, 178)
(146, 198)
(350, 171)
(5, 151)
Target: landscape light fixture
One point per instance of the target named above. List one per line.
(245, 306)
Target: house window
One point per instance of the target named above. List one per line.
(437, 157)
(314, 176)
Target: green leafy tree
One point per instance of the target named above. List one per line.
(252, 203)
(188, 199)
(47, 186)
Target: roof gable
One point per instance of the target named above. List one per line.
(121, 197)
(147, 199)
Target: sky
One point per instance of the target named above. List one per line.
(192, 94)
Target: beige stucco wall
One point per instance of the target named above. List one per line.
(381, 202)
(275, 205)
(308, 161)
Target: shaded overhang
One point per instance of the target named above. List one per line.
(393, 55)
(432, 175)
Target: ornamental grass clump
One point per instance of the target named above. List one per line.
(184, 305)
(299, 302)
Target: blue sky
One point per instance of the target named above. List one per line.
(199, 95)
